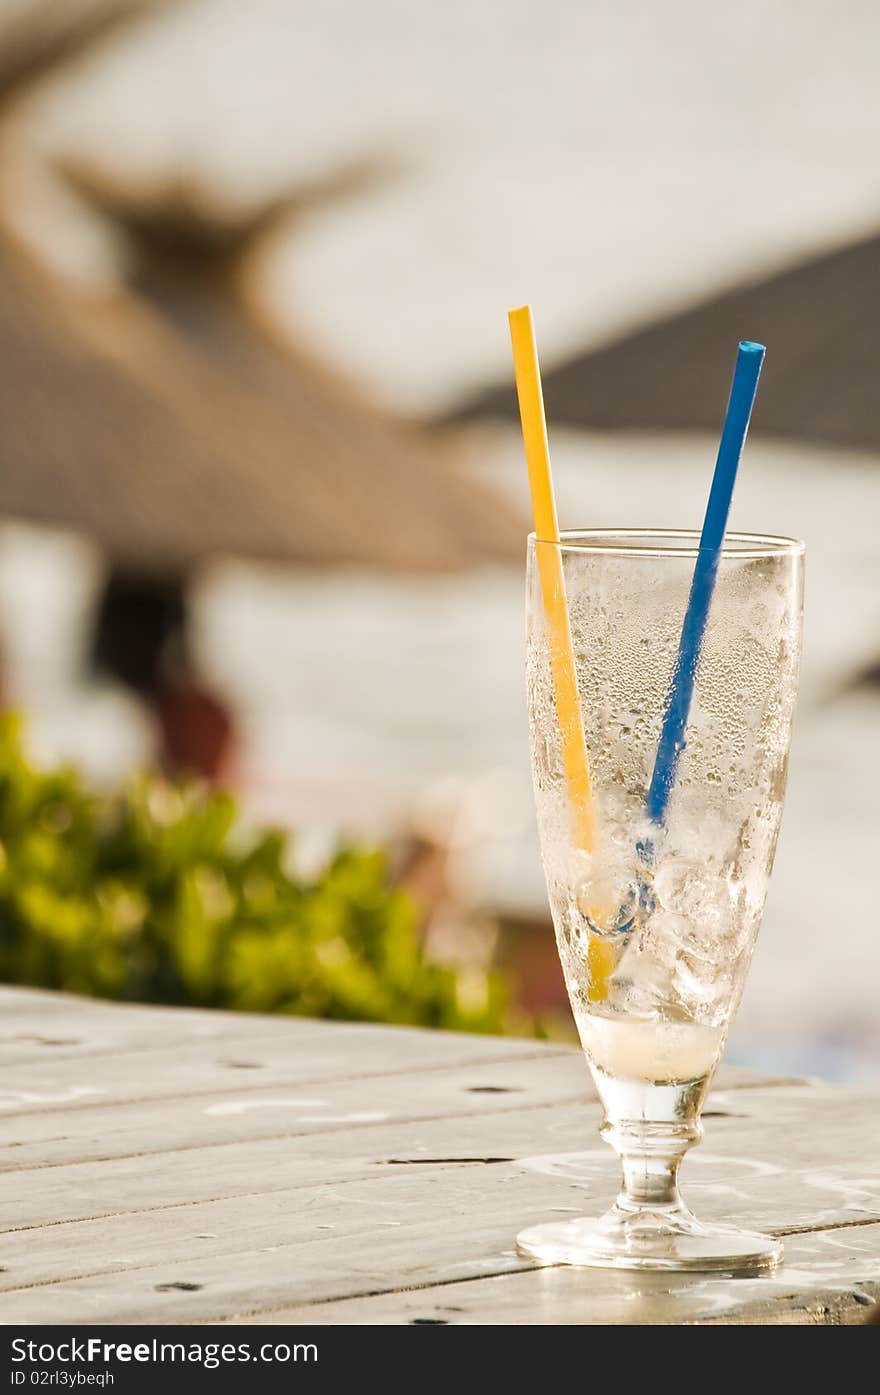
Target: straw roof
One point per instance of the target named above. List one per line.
(168, 447)
(818, 319)
(116, 426)
(44, 35)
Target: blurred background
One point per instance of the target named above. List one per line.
(261, 484)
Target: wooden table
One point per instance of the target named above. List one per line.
(186, 1167)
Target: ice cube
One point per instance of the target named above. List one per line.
(609, 904)
(693, 890)
(703, 989)
(643, 979)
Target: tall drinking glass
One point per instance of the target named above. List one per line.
(655, 925)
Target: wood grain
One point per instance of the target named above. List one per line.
(180, 1166)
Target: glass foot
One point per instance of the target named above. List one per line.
(649, 1239)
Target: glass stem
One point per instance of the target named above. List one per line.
(650, 1156)
(649, 1181)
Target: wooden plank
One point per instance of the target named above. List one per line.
(82, 1190)
(171, 1054)
(366, 1224)
(41, 1028)
(175, 1165)
(56, 1029)
(51, 1138)
(275, 1277)
(144, 1129)
(46, 1136)
(830, 1276)
(278, 1058)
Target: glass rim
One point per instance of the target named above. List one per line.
(661, 542)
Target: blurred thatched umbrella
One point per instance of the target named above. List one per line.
(170, 423)
(39, 36)
(115, 425)
(818, 319)
(170, 426)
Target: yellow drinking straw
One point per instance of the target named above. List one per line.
(575, 760)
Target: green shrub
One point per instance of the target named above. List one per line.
(156, 895)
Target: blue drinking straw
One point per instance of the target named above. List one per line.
(749, 359)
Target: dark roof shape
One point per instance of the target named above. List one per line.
(819, 319)
(113, 425)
